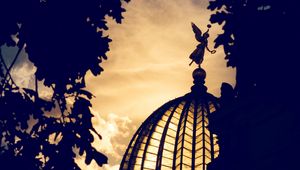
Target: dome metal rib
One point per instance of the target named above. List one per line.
(175, 136)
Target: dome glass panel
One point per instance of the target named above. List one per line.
(175, 136)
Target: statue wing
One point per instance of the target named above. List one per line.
(198, 32)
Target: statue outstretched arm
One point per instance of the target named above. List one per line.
(211, 51)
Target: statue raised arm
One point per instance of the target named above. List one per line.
(198, 54)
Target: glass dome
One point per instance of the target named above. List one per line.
(176, 136)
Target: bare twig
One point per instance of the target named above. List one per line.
(7, 73)
(36, 89)
(15, 59)
(11, 65)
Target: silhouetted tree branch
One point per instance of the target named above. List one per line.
(64, 40)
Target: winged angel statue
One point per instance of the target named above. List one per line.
(198, 54)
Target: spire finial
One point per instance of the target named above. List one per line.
(199, 76)
(197, 56)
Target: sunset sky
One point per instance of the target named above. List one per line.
(148, 65)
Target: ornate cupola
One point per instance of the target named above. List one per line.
(175, 136)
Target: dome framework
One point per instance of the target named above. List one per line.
(175, 136)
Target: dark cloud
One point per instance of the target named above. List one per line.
(9, 54)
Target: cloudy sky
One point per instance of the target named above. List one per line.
(148, 65)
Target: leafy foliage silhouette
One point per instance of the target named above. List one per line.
(259, 39)
(64, 40)
(258, 123)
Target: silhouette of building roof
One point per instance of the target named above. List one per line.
(176, 136)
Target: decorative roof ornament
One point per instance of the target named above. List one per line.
(197, 55)
(176, 135)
